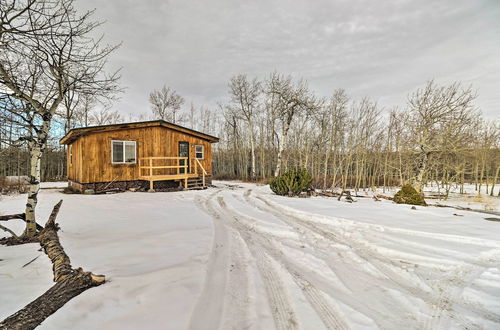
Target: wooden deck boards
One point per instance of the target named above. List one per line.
(168, 177)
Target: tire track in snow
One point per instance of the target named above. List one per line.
(384, 318)
(451, 289)
(209, 307)
(226, 287)
(278, 298)
(324, 310)
(283, 313)
(221, 310)
(374, 260)
(238, 306)
(359, 225)
(440, 318)
(449, 294)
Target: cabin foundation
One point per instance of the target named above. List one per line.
(132, 185)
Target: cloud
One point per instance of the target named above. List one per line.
(383, 50)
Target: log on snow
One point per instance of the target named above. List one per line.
(385, 197)
(48, 303)
(69, 282)
(21, 216)
(465, 209)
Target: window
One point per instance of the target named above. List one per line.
(70, 152)
(199, 152)
(123, 152)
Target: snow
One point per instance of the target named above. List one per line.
(237, 256)
(53, 185)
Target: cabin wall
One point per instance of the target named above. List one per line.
(95, 163)
(74, 167)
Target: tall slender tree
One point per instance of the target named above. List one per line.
(48, 50)
(287, 100)
(245, 105)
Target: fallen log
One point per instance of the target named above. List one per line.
(385, 197)
(348, 196)
(328, 194)
(465, 209)
(20, 216)
(70, 282)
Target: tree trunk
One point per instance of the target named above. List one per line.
(495, 178)
(280, 150)
(69, 282)
(36, 149)
(253, 174)
(325, 168)
(418, 183)
(34, 188)
(48, 303)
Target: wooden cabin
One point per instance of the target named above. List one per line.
(152, 155)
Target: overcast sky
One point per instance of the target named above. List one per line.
(381, 49)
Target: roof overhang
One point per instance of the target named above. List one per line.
(75, 133)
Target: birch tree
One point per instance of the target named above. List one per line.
(245, 98)
(47, 51)
(352, 144)
(287, 99)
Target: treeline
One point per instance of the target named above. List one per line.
(14, 153)
(274, 124)
(438, 136)
(14, 161)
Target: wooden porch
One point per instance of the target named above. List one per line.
(171, 168)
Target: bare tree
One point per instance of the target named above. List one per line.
(166, 104)
(337, 110)
(287, 100)
(86, 103)
(48, 51)
(245, 97)
(440, 117)
(105, 116)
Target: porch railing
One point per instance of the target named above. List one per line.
(203, 172)
(170, 168)
(152, 165)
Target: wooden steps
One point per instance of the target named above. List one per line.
(195, 183)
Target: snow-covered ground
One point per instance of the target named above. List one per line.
(238, 257)
(53, 185)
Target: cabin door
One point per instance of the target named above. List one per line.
(183, 152)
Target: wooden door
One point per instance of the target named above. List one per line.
(183, 152)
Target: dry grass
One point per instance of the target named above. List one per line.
(489, 203)
(9, 186)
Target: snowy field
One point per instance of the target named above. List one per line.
(238, 257)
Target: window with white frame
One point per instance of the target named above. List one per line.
(199, 152)
(123, 152)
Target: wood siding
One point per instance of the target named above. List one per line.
(92, 152)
